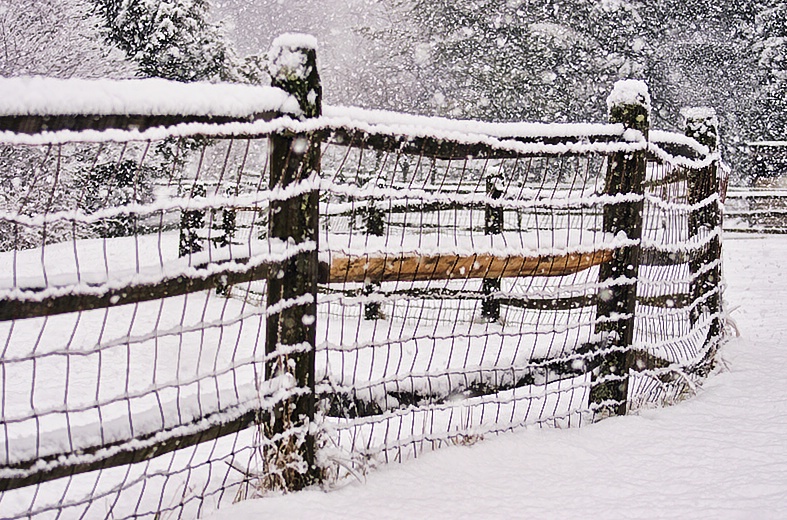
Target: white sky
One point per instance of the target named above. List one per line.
(255, 23)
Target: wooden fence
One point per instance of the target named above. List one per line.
(756, 210)
(624, 310)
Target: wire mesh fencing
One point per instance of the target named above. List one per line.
(481, 304)
(474, 296)
(195, 312)
(129, 346)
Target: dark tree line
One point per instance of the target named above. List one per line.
(175, 39)
(555, 60)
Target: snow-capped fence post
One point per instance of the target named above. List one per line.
(629, 104)
(705, 222)
(292, 284)
(493, 225)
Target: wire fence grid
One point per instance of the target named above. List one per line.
(201, 317)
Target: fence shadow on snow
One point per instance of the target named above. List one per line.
(209, 291)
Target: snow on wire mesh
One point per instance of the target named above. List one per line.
(459, 288)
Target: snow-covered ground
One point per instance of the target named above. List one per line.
(722, 454)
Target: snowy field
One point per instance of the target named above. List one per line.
(721, 454)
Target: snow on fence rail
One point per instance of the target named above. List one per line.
(201, 306)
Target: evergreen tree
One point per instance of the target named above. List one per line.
(770, 50)
(508, 59)
(112, 185)
(556, 60)
(174, 39)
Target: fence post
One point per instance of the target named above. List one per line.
(375, 226)
(191, 223)
(229, 222)
(629, 104)
(703, 125)
(493, 225)
(405, 169)
(291, 331)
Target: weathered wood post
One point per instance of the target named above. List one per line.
(493, 225)
(228, 226)
(291, 331)
(375, 226)
(374, 220)
(629, 105)
(705, 224)
(191, 223)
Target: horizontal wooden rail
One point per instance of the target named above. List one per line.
(409, 268)
(413, 206)
(775, 212)
(759, 229)
(28, 303)
(456, 150)
(131, 451)
(522, 301)
(365, 402)
(676, 150)
(213, 426)
(432, 147)
(655, 256)
(34, 124)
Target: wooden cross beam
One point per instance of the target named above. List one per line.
(28, 302)
(417, 268)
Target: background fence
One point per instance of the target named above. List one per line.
(756, 210)
(757, 205)
(264, 295)
(765, 163)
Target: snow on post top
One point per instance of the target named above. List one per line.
(702, 124)
(287, 57)
(40, 96)
(629, 92)
(292, 64)
(295, 41)
(699, 113)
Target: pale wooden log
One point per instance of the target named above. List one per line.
(411, 268)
